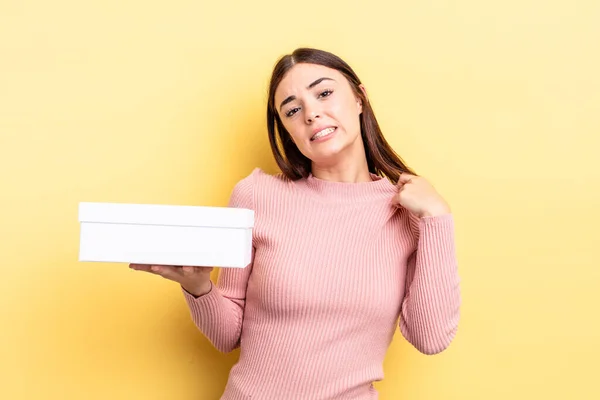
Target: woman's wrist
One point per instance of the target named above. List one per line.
(199, 291)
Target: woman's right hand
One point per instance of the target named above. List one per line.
(195, 280)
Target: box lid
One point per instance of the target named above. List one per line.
(159, 214)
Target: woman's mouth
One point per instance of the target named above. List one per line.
(323, 133)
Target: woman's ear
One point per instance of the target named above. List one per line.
(364, 90)
(359, 101)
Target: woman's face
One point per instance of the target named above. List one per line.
(320, 111)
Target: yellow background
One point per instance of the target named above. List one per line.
(497, 103)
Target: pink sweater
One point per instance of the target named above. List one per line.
(336, 268)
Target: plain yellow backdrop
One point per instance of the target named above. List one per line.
(497, 103)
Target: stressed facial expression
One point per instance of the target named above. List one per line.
(318, 108)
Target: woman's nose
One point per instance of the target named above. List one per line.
(312, 117)
(312, 112)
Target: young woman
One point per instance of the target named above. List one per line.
(348, 244)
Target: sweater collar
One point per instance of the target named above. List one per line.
(378, 188)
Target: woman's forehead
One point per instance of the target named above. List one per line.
(302, 75)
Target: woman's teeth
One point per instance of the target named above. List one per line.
(322, 133)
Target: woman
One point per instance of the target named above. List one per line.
(348, 244)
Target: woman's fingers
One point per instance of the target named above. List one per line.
(140, 267)
(171, 271)
(166, 271)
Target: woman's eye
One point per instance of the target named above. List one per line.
(325, 93)
(292, 112)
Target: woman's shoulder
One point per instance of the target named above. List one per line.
(260, 184)
(261, 178)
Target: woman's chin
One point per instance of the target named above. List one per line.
(328, 156)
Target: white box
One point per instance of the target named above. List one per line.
(165, 234)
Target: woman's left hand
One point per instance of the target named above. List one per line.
(419, 197)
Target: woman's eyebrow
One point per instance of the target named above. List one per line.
(315, 83)
(312, 85)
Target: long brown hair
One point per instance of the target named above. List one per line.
(381, 158)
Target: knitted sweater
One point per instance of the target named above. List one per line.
(336, 268)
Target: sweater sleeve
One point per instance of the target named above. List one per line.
(430, 308)
(219, 313)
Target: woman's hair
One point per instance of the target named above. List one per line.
(381, 158)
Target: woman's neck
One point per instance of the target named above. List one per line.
(352, 171)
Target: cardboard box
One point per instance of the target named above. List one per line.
(165, 234)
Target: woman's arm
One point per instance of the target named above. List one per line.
(218, 314)
(431, 306)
